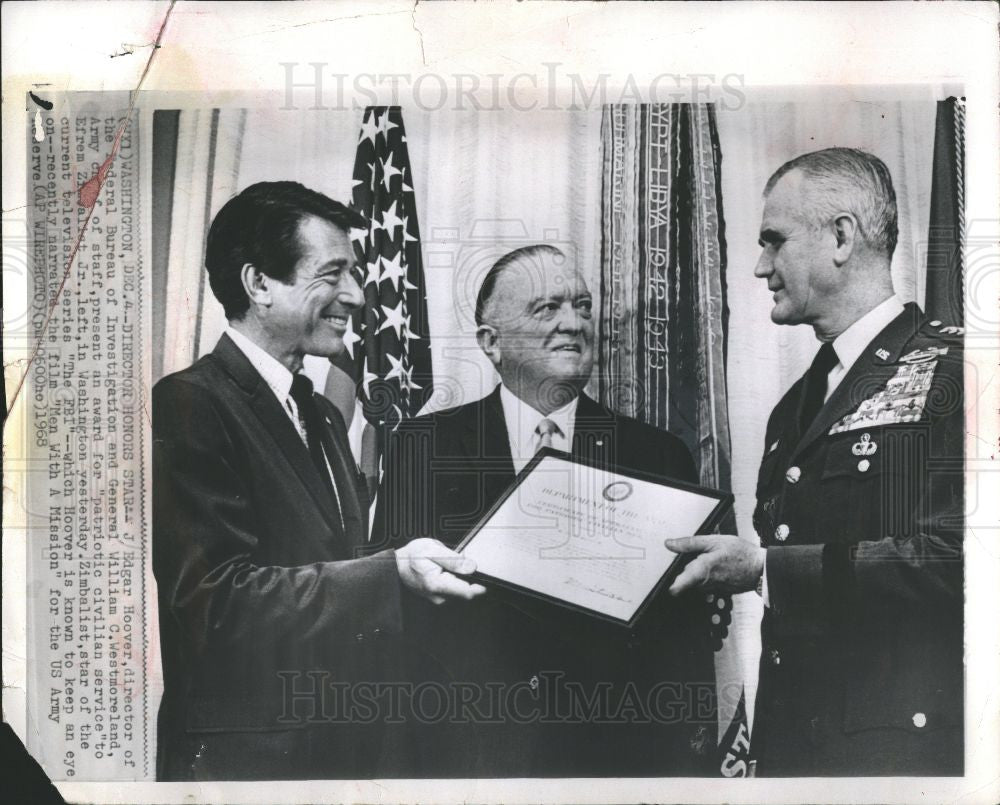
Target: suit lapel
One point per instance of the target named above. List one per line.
(870, 373)
(593, 431)
(276, 423)
(345, 474)
(486, 446)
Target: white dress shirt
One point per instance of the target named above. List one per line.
(274, 372)
(849, 345)
(279, 380)
(852, 342)
(522, 420)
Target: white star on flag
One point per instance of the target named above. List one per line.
(407, 380)
(393, 270)
(390, 220)
(397, 369)
(407, 237)
(384, 125)
(373, 275)
(408, 334)
(388, 171)
(351, 338)
(369, 130)
(393, 318)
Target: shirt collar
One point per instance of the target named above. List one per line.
(852, 342)
(275, 374)
(522, 420)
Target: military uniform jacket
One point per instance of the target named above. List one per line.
(862, 517)
(443, 473)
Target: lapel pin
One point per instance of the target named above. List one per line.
(881, 353)
(773, 447)
(866, 447)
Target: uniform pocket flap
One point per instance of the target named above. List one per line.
(855, 460)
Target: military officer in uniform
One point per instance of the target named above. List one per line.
(859, 497)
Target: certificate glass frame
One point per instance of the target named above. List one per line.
(610, 513)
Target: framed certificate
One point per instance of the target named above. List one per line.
(589, 536)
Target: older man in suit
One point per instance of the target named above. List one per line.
(547, 691)
(260, 515)
(859, 497)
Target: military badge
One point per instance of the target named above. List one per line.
(902, 400)
(923, 355)
(866, 447)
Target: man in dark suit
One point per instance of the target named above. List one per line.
(259, 515)
(548, 691)
(859, 497)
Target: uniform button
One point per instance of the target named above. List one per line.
(793, 475)
(864, 465)
(775, 656)
(359, 637)
(919, 720)
(781, 532)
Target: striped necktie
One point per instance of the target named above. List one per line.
(543, 433)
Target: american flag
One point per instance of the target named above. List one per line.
(388, 345)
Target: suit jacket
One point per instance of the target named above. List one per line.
(263, 603)
(861, 669)
(522, 659)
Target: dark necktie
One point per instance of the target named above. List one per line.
(302, 393)
(814, 392)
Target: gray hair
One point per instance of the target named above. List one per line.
(849, 180)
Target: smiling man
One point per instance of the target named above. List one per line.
(259, 512)
(859, 497)
(539, 690)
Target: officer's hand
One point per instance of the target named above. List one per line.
(427, 566)
(722, 563)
